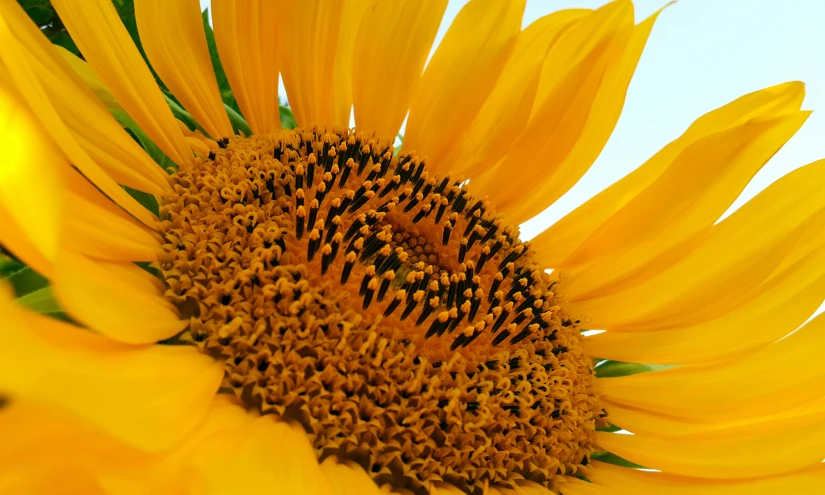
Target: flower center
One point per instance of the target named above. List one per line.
(395, 317)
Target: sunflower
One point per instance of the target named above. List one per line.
(228, 305)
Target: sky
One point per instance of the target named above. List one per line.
(701, 55)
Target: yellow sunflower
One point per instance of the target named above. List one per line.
(245, 308)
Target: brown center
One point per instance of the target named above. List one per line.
(395, 317)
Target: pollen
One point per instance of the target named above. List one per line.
(394, 316)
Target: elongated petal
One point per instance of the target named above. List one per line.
(738, 254)
(461, 75)
(149, 397)
(96, 28)
(342, 76)
(246, 33)
(175, 43)
(90, 122)
(389, 54)
(555, 244)
(561, 114)
(17, 242)
(780, 305)
(33, 92)
(737, 389)
(47, 450)
(663, 222)
(777, 445)
(266, 457)
(112, 299)
(31, 178)
(312, 30)
(604, 112)
(104, 232)
(505, 113)
(623, 481)
(91, 80)
(348, 478)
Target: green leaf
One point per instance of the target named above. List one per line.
(26, 280)
(148, 145)
(611, 458)
(239, 124)
(287, 118)
(41, 301)
(609, 369)
(609, 429)
(9, 264)
(147, 200)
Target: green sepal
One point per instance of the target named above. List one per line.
(25, 281)
(287, 118)
(184, 116)
(41, 301)
(609, 429)
(148, 145)
(146, 200)
(239, 124)
(611, 369)
(611, 458)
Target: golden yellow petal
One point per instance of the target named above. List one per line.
(113, 299)
(29, 85)
(259, 455)
(106, 45)
(31, 180)
(779, 306)
(461, 74)
(343, 71)
(667, 220)
(555, 244)
(738, 254)
(175, 43)
(623, 481)
(774, 446)
(148, 397)
(603, 114)
(748, 386)
(504, 115)
(312, 30)
(577, 64)
(91, 80)
(246, 33)
(17, 242)
(389, 55)
(348, 478)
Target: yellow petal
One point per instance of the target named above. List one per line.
(560, 114)
(775, 446)
(17, 242)
(31, 178)
(461, 74)
(47, 450)
(750, 386)
(389, 55)
(311, 30)
(97, 227)
(623, 481)
(342, 77)
(112, 299)
(91, 80)
(97, 30)
(258, 455)
(738, 254)
(663, 222)
(148, 397)
(31, 89)
(779, 306)
(175, 43)
(504, 114)
(604, 112)
(348, 478)
(555, 244)
(246, 33)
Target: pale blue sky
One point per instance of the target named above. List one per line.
(700, 55)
